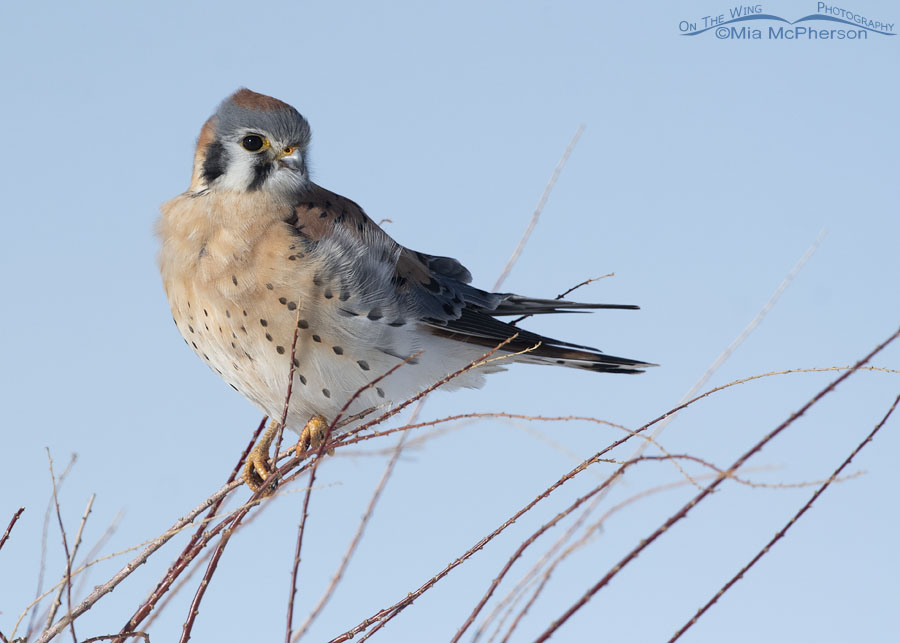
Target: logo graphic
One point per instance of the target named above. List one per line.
(750, 22)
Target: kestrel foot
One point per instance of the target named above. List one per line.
(312, 436)
(257, 468)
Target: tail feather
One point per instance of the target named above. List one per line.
(518, 305)
(538, 349)
(480, 326)
(598, 362)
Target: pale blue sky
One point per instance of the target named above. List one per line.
(706, 170)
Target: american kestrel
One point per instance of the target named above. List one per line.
(254, 249)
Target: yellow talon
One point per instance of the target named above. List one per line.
(312, 436)
(257, 468)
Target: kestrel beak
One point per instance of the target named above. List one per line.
(290, 158)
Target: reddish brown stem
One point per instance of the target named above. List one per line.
(278, 473)
(312, 477)
(227, 527)
(577, 503)
(290, 388)
(297, 548)
(353, 543)
(681, 513)
(65, 542)
(9, 527)
(185, 558)
(790, 523)
(388, 612)
(563, 294)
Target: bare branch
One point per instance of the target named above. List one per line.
(107, 637)
(62, 531)
(387, 613)
(198, 562)
(790, 523)
(297, 548)
(101, 590)
(227, 528)
(57, 601)
(235, 518)
(723, 357)
(540, 207)
(290, 385)
(681, 513)
(43, 565)
(312, 476)
(9, 527)
(577, 503)
(353, 543)
(184, 559)
(563, 294)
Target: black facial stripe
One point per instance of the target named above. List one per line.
(214, 164)
(260, 173)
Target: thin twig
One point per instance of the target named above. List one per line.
(42, 568)
(9, 527)
(517, 592)
(183, 559)
(585, 538)
(96, 549)
(198, 563)
(532, 538)
(681, 513)
(101, 590)
(312, 474)
(563, 294)
(227, 528)
(279, 435)
(57, 601)
(388, 613)
(154, 544)
(733, 346)
(790, 523)
(297, 548)
(399, 605)
(577, 503)
(353, 543)
(107, 637)
(199, 560)
(62, 531)
(540, 207)
(235, 519)
(591, 530)
(295, 568)
(91, 563)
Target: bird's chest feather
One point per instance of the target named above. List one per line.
(239, 295)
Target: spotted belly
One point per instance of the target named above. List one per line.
(249, 344)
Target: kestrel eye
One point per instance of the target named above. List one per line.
(253, 142)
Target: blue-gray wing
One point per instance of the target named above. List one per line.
(373, 276)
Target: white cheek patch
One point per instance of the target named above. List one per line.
(240, 170)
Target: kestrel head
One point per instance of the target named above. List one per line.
(253, 142)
